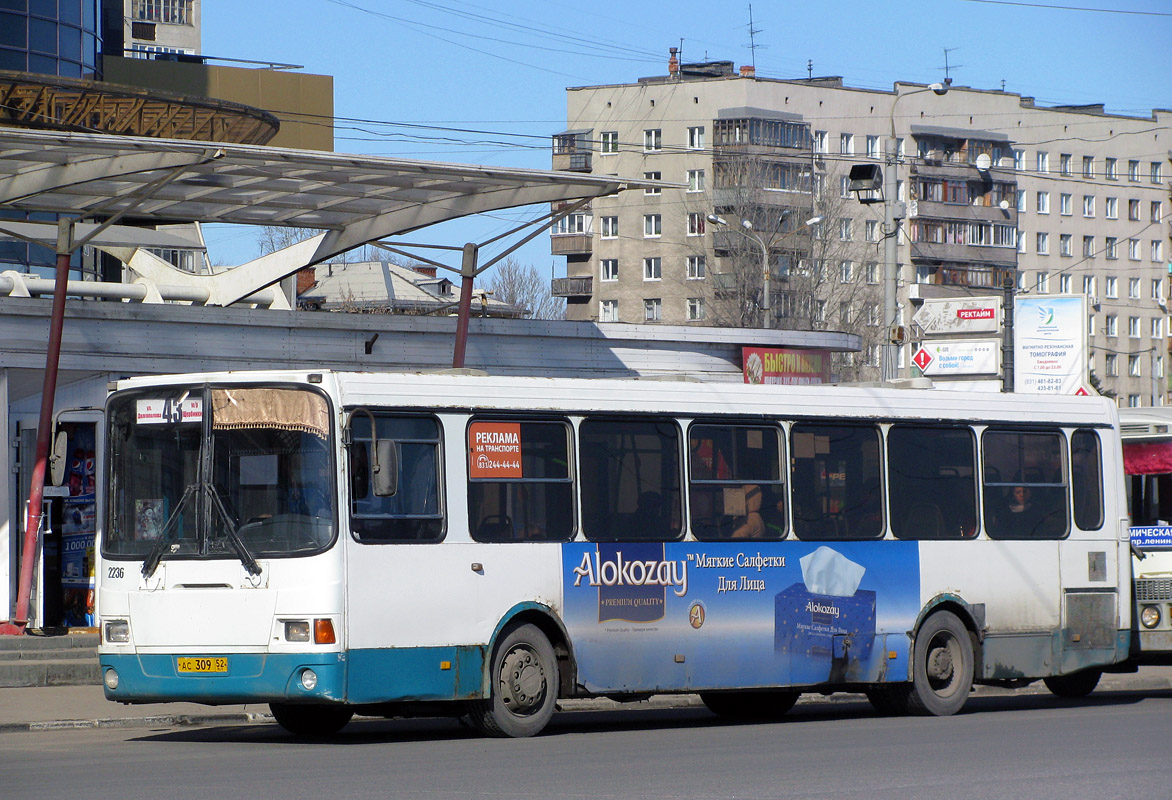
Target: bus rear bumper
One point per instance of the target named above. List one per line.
(247, 678)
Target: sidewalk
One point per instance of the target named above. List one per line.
(60, 707)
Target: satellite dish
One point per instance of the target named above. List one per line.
(59, 459)
(984, 162)
(1004, 205)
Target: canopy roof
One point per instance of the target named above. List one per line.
(355, 198)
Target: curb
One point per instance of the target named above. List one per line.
(171, 720)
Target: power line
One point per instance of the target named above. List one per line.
(1048, 6)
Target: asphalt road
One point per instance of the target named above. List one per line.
(1111, 745)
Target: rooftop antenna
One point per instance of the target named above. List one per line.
(947, 69)
(1003, 84)
(753, 38)
(810, 69)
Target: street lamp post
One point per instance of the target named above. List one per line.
(749, 232)
(893, 211)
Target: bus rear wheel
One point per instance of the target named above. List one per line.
(1074, 685)
(942, 672)
(302, 720)
(524, 686)
(750, 705)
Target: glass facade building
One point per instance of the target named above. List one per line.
(50, 37)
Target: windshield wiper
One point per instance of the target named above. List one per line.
(246, 558)
(156, 554)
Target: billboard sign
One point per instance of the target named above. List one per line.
(785, 366)
(951, 316)
(1050, 345)
(958, 357)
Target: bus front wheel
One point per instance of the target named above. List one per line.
(942, 673)
(305, 720)
(524, 686)
(1074, 685)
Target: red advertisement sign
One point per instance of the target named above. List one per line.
(494, 450)
(785, 366)
(976, 313)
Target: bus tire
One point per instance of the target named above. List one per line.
(523, 685)
(1076, 684)
(308, 720)
(750, 705)
(942, 671)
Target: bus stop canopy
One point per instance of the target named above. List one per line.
(355, 199)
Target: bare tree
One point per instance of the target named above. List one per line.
(273, 238)
(822, 277)
(523, 286)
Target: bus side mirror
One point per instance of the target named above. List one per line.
(385, 471)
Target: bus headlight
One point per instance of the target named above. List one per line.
(1149, 617)
(111, 679)
(117, 631)
(297, 631)
(308, 680)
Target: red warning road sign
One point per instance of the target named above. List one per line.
(922, 358)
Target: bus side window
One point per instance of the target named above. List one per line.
(1025, 493)
(837, 490)
(413, 513)
(735, 485)
(932, 482)
(1086, 479)
(630, 478)
(519, 483)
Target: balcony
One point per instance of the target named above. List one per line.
(964, 253)
(751, 196)
(966, 275)
(578, 286)
(570, 244)
(574, 161)
(932, 209)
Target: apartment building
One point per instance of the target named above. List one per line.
(1062, 200)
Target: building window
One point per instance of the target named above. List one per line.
(1111, 247)
(697, 268)
(1157, 250)
(1111, 207)
(1157, 288)
(1021, 202)
(1088, 205)
(1111, 169)
(871, 230)
(1112, 325)
(846, 271)
(1043, 202)
(1133, 288)
(652, 226)
(1088, 166)
(1133, 327)
(1157, 172)
(696, 138)
(695, 180)
(1133, 366)
(1064, 204)
(873, 147)
(1043, 244)
(1133, 249)
(1133, 171)
(610, 227)
(1111, 362)
(1064, 244)
(170, 12)
(872, 273)
(1157, 211)
(1088, 285)
(1043, 283)
(1043, 161)
(652, 309)
(609, 269)
(1157, 327)
(652, 176)
(652, 271)
(1112, 287)
(1021, 241)
(695, 224)
(574, 223)
(1064, 164)
(846, 144)
(1133, 210)
(652, 140)
(696, 308)
(844, 186)
(844, 229)
(608, 311)
(821, 144)
(1065, 283)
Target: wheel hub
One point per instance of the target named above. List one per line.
(522, 681)
(940, 666)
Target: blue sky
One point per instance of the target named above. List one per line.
(482, 82)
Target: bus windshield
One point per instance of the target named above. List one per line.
(219, 473)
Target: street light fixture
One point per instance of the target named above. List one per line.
(893, 211)
(749, 232)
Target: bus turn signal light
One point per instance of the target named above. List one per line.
(323, 632)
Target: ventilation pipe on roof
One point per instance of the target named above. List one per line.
(748, 71)
(673, 63)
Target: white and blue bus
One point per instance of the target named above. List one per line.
(403, 544)
(1147, 460)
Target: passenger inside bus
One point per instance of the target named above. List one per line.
(751, 525)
